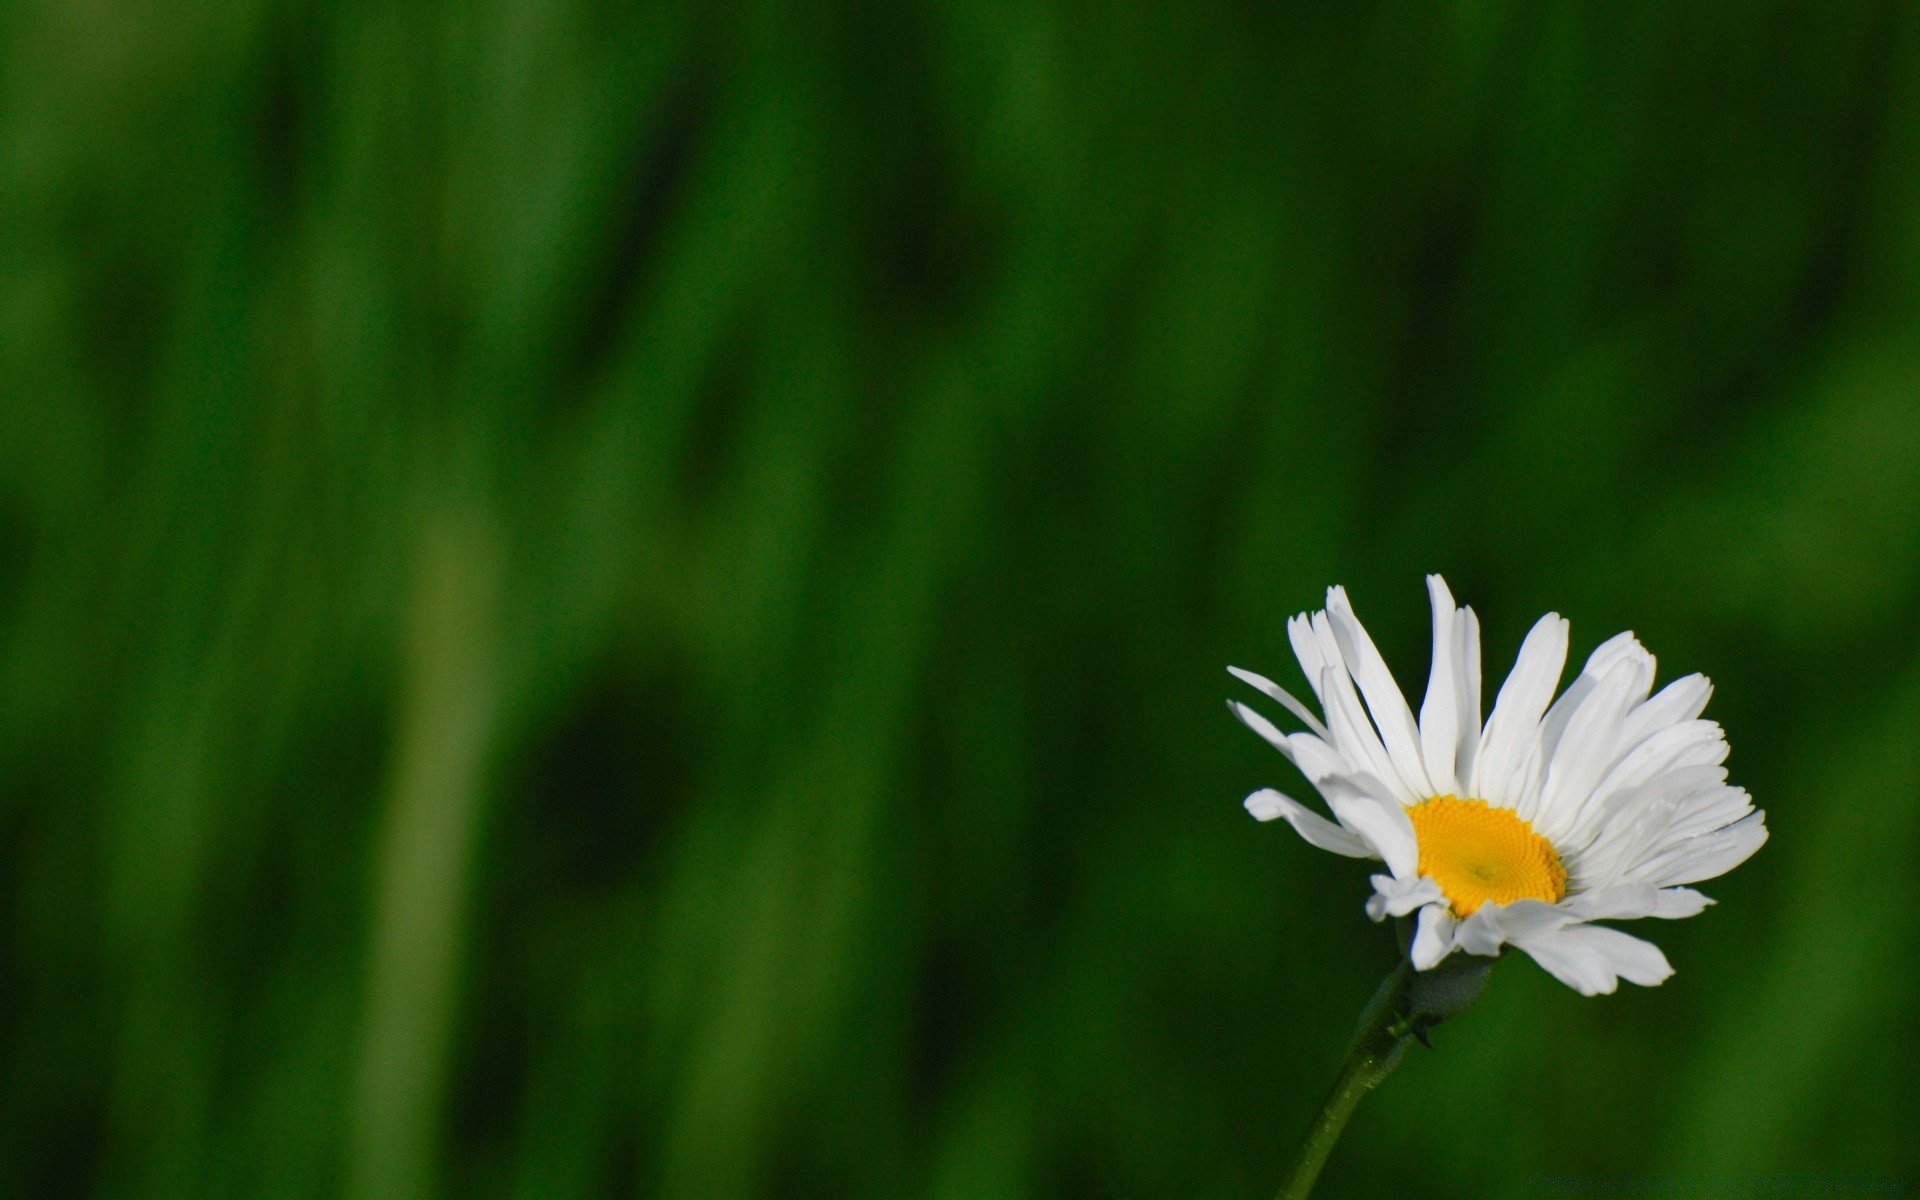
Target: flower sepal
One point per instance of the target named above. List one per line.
(1409, 1002)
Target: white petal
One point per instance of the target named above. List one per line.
(1493, 925)
(1634, 830)
(1354, 736)
(1682, 700)
(1440, 711)
(1398, 897)
(1432, 938)
(1592, 959)
(1513, 729)
(1708, 810)
(1526, 918)
(1574, 963)
(1641, 830)
(1589, 746)
(1316, 760)
(1319, 762)
(1466, 657)
(1364, 805)
(1618, 648)
(1672, 748)
(1260, 725)
(1705, 856)
(1276, 692)
(1267, 804)
(1621, 647)
(1633, 901)
(1678, 903)
(1306, 648)
(1636, 960)
(1480, 933)
(1385, 701)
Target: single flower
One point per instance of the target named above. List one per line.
(1600, 805)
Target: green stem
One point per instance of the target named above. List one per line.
(1377, 1045)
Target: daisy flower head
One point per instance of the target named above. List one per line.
(1525, 828)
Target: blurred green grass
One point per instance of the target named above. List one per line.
(604, 601)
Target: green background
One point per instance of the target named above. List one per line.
(631, 601)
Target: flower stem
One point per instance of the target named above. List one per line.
(1382, 1036)
(1405, 1005)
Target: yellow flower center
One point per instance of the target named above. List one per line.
(1478, 853)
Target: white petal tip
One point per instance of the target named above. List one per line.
(1253, 679)
(1265, 805)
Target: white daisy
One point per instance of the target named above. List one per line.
(1597, 806)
